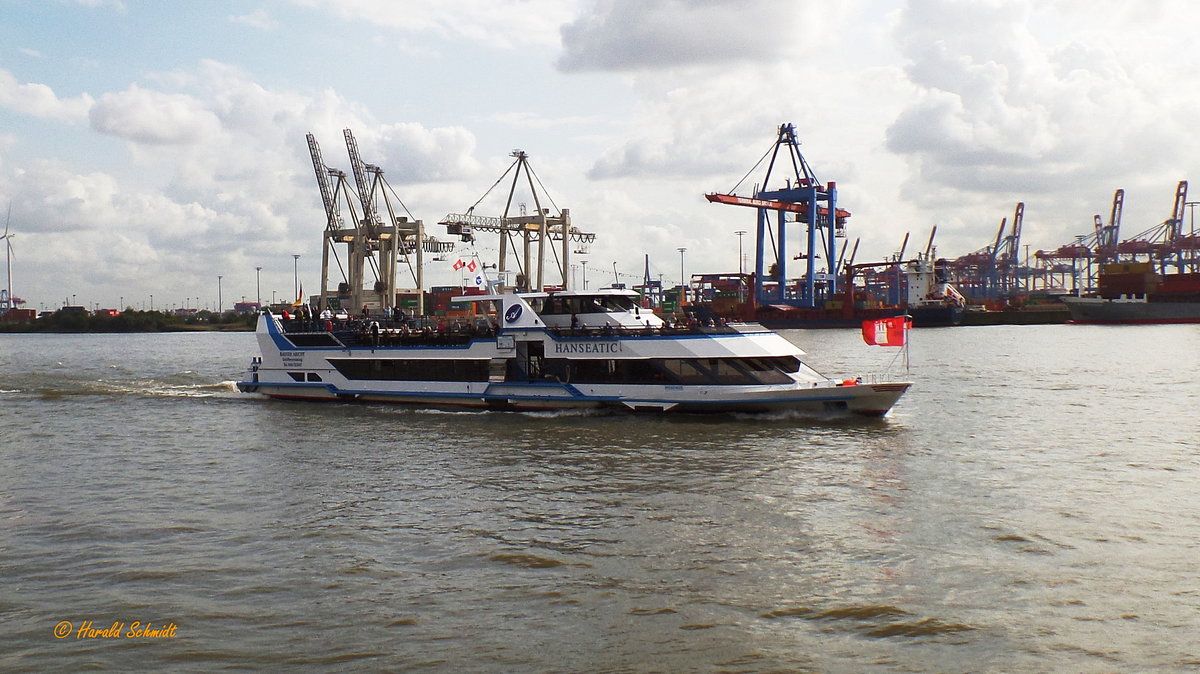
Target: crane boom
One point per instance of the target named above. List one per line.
(1180, 204)
(999, 237)
(1012, 244)
(333, 218)
(370, 216)
(770, 204)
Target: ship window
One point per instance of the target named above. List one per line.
(297, 376)
(765, 371)
(616, 303)
(424, 369)
(313, 339)
(727, 372)
(686, 371)
(556, 368)
(313, 376)
(593, 371)
(609, 371)
(785, 363)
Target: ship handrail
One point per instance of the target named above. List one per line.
(437, 325)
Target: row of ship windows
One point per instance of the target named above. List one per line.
(302, 376)
(693, 371)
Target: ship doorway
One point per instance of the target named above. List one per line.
(529, 360)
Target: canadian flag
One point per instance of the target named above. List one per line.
(471, 266)
(887, 331)
(459, 264)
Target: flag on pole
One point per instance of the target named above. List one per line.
(471, 266)
(887, 331)
(299, 297)
(459, 264)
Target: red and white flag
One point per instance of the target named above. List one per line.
(459, 264)
(887, 331)
(471, 266)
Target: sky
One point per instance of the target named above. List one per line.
(149, 146)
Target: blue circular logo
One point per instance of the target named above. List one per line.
(513, 313)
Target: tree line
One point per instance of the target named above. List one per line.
(132, 321)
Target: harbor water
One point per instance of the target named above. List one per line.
(1030, 505)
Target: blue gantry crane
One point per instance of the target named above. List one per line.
(803, 198)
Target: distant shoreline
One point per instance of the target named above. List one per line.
(82, 322)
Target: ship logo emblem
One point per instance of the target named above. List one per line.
(513, 313)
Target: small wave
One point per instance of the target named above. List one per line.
(525, 560)
(788, 612)
(868, 612)
(874, 620)
(919, 628)
(651, 611)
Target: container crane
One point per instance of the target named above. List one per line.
(973, 271)
(1083, 258)
(1108, 236)
(992, 272)
(379, 238)
(367, 235)
(1008, 257)
(809, 202)
(534, 229)
(336, 230)
(1160, 243)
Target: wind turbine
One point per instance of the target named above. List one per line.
(7, 238)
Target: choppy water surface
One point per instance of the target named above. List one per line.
(1030, 505)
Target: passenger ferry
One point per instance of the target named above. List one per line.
(554, 351)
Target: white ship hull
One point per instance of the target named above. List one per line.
(528, 365)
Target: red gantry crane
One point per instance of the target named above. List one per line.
(992, 272)
(1162, 245)
(1082, 259)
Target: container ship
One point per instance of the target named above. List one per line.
(1132, 293)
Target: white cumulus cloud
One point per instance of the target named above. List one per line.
(153, 117)
(40, 100)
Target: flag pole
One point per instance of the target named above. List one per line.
(907, 323)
